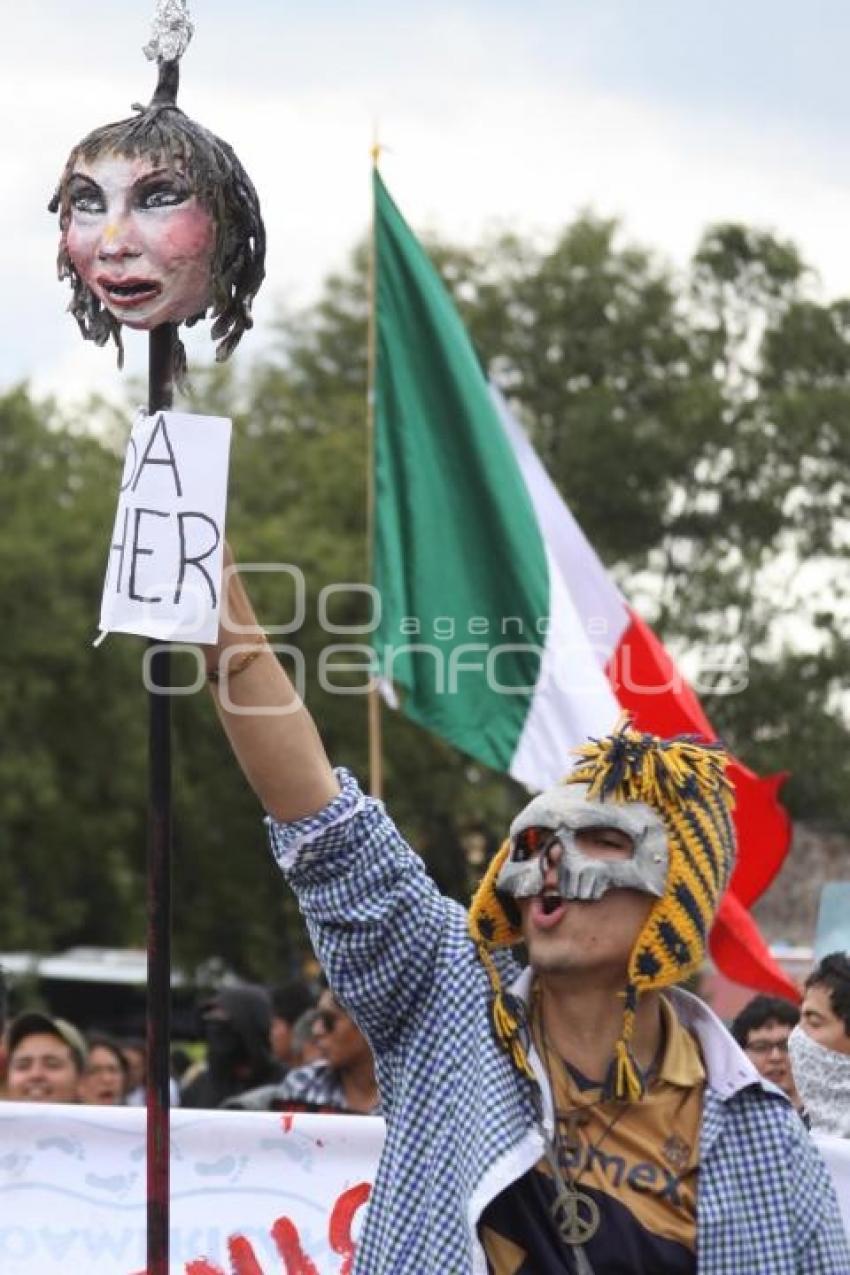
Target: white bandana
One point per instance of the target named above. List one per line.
(822, 1077)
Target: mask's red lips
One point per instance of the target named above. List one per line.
(125, 293)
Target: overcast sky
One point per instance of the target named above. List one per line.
(667, 113)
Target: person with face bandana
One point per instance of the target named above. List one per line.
(582, 1115)
(820, 1047)
(237, 1029)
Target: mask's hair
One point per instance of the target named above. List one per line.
(162, 133)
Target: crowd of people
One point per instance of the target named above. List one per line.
(294, 1048)
(289, 1048)
(806, 1051)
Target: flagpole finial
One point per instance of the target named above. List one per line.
(376, 149)
(171, 32)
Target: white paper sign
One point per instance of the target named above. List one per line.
(163, 575)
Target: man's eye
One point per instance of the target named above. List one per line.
(166, 196)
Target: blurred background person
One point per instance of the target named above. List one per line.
(341, 1080)
(135, 1054)
(47, 1058)
(289, 1002)
(181, 1061)
(104, 1079)
(762, 1029)
(305, 1046)
(820, 1046)
(4, 1009)
(237, 1030)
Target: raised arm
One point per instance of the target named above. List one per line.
(272, 734)
(377, 921)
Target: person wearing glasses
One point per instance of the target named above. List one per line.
(762, 1029)
(342, 1081)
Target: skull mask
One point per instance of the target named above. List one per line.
(563, 812)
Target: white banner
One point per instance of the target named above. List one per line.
(836, 1152)
(250, 1192)
(163, 573)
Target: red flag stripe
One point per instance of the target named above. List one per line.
(647, 683)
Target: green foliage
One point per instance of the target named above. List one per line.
(71, 845)
(699, 427)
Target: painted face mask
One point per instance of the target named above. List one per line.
(159, 223)
(139, 239)
(560, 816)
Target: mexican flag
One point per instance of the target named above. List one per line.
(500, 629)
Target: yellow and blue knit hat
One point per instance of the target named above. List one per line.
(684, 780)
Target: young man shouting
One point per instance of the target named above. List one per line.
(572, 1117)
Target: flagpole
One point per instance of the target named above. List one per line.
(171, 34)
(376, 775)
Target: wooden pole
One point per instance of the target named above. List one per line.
(376, 768)
(162, 343)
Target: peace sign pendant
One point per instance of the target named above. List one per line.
(576, 1215)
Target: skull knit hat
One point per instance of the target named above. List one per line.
(684, 780)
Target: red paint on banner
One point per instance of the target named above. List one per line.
(288, 1243)
(243, 1260)
(287, 1122)
(339, 1229)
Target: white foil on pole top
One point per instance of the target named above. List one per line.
(172, 30)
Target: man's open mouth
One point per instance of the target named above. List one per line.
(129, 292)
(547, 910)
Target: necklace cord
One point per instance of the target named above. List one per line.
(575, 1214)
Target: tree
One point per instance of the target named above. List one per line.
(70, 820)
(699, 427)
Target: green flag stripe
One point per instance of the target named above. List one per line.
(459, 558)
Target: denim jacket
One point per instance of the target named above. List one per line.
(462, 1123)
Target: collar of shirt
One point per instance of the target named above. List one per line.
(681, 1063)
(727, 1068)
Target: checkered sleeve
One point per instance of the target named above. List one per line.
(376, 919)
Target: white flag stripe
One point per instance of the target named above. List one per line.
(600, 606)
(572, 698)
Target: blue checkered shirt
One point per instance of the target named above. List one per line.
(462, 1124)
